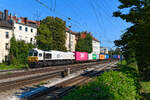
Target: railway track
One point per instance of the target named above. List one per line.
(39, 70)
(4, 86)
(34, 69)
(18, 73)
(61, 89)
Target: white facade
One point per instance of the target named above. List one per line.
(96, 47)
(104, 50)
(25, 32)
(70, 41)
(5, 36)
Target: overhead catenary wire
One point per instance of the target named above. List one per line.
(97, 14)
(107, 10)
(75, 8)
(64, 16)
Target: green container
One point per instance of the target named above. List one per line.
(94, 56)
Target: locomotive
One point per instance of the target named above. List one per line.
(40, 58)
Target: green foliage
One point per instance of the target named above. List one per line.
(84, 45)
(111, 85)
(135, 42)
(11, 66)
(44, 39)
(18, 52)
(80, 45)
(131, 71)
(52, 34)
(146, 90)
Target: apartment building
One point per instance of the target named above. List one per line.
(19, 27)
(103, 50)
(5, 36)
(24, 29)
(96, 46)
(70, 40)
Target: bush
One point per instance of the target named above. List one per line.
(18, 52)
(111, 85)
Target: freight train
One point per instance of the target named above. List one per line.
(40, 58)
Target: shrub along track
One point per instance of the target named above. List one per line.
(53, 72)
(61, 89)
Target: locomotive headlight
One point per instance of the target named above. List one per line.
(32, 59)
(36, 59)
(29, 59)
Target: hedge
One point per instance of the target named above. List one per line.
(110, 85)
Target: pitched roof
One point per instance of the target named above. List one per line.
(68, 30)
(95, 39)
(83, 35)
(5, 24)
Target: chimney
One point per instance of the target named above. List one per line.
(5, 14)
(11, 17)
(1, 15)
(25, 20)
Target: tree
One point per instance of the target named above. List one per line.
(18, 51)
(84, 44)
(135, 42)
(88, 43)
(80, 46)
(52, 34)
(44, 39)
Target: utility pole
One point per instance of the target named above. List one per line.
(69, 38)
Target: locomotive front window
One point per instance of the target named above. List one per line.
(35, 54)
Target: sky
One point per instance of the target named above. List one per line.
(95, 16)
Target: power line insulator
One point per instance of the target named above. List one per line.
(69, 18)
(69, 26)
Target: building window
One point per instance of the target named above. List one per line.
(7, 35)
(31, 40)
(31, 30)
(26, 29)
(71, 43)
(6, 46)
(20, 27)
(6, 58)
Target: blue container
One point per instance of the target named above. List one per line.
(97, 56)
(115, 56)
(121, 57)
(106, 56)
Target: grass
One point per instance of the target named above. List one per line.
(10, 67)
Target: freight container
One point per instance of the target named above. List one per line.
(90, 56)
(106, 56)
(102, 57)
(115, 56)
(94, 56)
(121, 57)
(97, 56)
(81, 56)
(118, 56)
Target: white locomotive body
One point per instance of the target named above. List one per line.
(41, 58)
